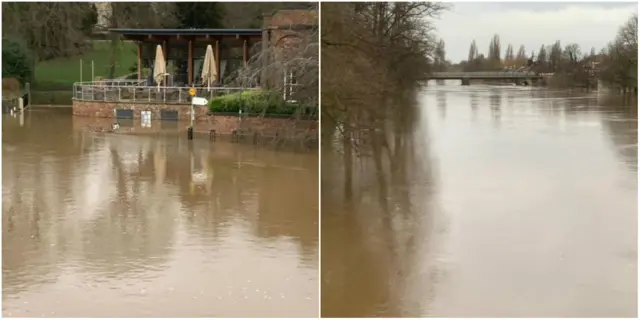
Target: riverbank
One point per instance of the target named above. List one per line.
(264, 132)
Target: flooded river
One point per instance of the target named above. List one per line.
(516, 202)
(107, 225)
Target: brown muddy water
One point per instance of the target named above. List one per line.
(109, 225)
(518, 202)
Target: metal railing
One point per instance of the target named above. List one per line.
(137, 91)
(484, 74)
(114, 82)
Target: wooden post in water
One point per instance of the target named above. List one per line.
(27, 88)
(190, 62)
(217, 56)
(21, 109)
(245, 52)
(190, 130)
(192, 93)
(139, 54)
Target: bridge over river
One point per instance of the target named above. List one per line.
(465, 77)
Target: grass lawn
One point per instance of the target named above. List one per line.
(61, 73)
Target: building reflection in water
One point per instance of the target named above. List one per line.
(495, 103)
(109, 216)
(441, 97)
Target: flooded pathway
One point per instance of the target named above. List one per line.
(105, 225)
(519, 202)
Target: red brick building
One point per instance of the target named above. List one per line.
(288, 37)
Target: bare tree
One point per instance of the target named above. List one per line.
(521, 57)
(555, 56)
(494, 49)
(371, 52)
(571, 53)
(298, 61)
(508, 55)
(50, 29)
(541, 60)
(621, 64)
(473, 51)
(440, 60)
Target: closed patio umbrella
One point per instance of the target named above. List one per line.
(159, 67)
(209, 70)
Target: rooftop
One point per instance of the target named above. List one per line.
(187, 32)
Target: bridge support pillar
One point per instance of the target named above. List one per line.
(466, 81)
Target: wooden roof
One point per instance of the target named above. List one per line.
(140, 34)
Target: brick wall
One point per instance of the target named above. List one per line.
(286, 30)
(99, 115)
(293, 17)
(287, 26)
(105, 109)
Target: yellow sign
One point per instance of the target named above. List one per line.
(192, 92)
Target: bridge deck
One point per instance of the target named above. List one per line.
(482, 75)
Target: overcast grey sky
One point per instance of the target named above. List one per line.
(589, 24)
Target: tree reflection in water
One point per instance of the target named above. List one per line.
(373, 235)
(622, 130)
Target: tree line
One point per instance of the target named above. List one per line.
(615, 65)
(38, 31)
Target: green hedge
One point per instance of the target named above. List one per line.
(254, 102)
(16, 60)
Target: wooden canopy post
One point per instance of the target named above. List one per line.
(139, 61)
(165, 43)
(218, 59)
(245, 52)
(190, 63)
(165, 51)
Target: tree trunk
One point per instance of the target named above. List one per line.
(114, 38)
(347, 157)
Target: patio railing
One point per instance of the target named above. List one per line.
(117, 90)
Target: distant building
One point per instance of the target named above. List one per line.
(104, 15)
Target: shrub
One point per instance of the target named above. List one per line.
(255, 102)
(11, 88)
(16, 60)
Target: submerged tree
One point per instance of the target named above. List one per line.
(371, 52)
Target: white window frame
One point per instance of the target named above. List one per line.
(290, 82)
